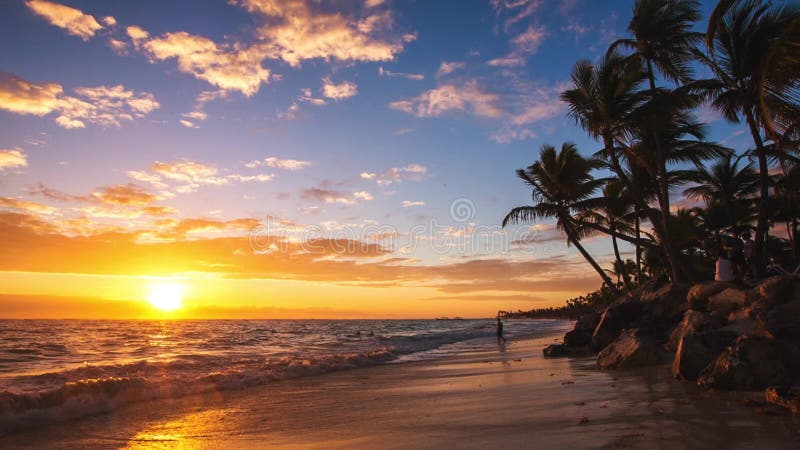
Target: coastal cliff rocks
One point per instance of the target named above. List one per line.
(697, 350)
(781, 322)
(662, 310)
(633, 348)
(693, 321)
(581, 335)
(699, 293)
(749, 363)
(777, 289)
(727, 300)
(614, 320)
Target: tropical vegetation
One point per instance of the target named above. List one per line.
(640, 102)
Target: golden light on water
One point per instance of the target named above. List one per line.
(165, 296)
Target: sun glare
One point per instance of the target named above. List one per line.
(165, 296)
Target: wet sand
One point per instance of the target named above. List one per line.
(507, 397)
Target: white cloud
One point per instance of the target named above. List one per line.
(102, 105)
(450, 97)
(187, 123)
(410, 203)
(12, 158)
(299, 30)
(339, 91)
(363, 195)
(393, 175)
(285, 164)
(74, 21)
(522, 46)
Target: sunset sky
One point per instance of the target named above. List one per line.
(288, 158)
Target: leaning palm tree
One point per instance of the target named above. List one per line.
(560, 182)
(739, 60)
(663, 40)
(614, 211)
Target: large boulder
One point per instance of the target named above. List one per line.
(633, 348)
(775, 289)
(699, 293)
(661, 310)
(781, 322)
(693, 321)
(697, 350)
(581, 335)
(727, 300)
(742, 321)
(556, 350)
(614, 319)
(749, 363)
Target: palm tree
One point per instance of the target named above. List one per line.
(601, 101)
(614, 211)
(663, 41)
(727, 188)
(743, 87)
(560, 182)
(787, 195)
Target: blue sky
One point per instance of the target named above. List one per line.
(337, 115)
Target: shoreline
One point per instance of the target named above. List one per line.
(478, 398)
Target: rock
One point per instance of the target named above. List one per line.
(614, 319)
(775, 289)
(697, 350)
(727, 300)
(662, 310)
(693, 321)
(577, 338)
(781, 322)
(556, 350)
(749, 363)
(633, 348)
(669, 292)
(699, 293)
(581, 334)
(785, 398)
(742, 321)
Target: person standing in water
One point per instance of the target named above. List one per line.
(500, 330)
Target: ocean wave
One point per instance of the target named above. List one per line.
(84, 389)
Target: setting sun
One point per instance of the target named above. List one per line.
(165, 296)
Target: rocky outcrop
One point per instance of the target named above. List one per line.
(781, 322)
(633, 348)
(775, 289)
(749, 363)
(556, 350)
(693, 321)
(581, 335)
(727, 300)
(699, 294)
(614, 320)
(662, 310)
(697, 350)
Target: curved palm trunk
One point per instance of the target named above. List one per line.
(637, 225)
(574, 241)
(762, 226)
(673, 256)
(623, 270)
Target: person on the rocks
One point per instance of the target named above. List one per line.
(724, 268)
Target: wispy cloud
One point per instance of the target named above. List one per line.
(412, 203)
(393, 175)
(522, 46)
(410, 76)
(285, 164)
(446, 68)
(451, 97)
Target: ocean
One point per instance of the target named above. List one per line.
(55, 370)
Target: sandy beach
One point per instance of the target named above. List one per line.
(504, 397)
